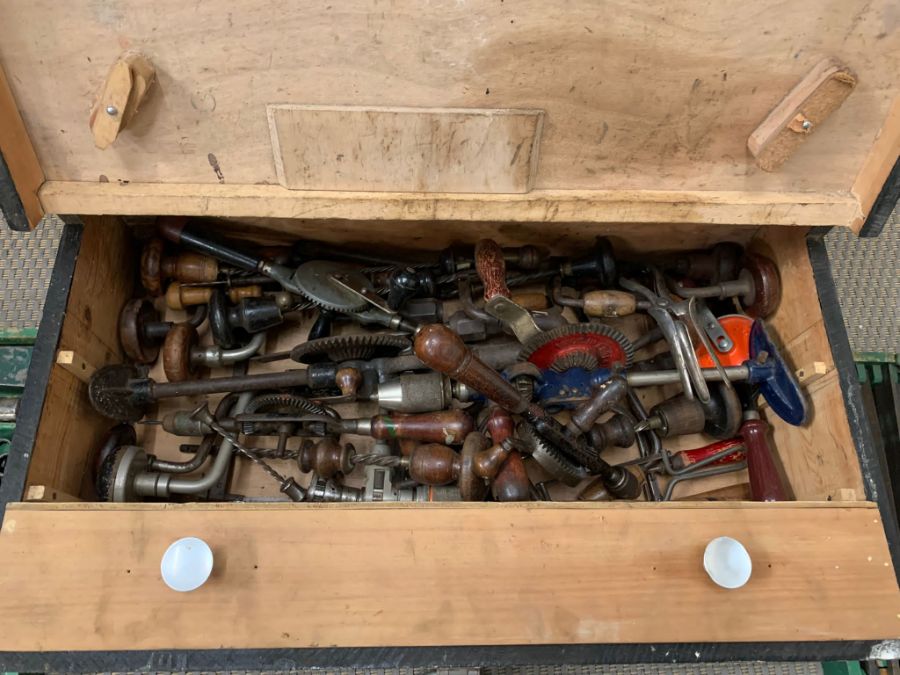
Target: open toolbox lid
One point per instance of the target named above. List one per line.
(534, 111)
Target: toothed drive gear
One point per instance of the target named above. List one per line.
(340, 348)
(552, 460)
(313, 279)
(578, 345)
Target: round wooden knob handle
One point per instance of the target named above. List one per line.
(441, 349)
(491, 266)
(512, 483)
(487, 462)
(132, 336)
(472, 486)
(151, 266)
(499, 425)
(327, 458)
(766, 286)
(179, 342)
(434, 464)
(348, 381)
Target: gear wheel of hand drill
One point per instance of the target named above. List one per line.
(552, 460)
(578, 345)
(340, 348)
(313, 280)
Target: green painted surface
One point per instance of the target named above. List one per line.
(14, 362)
(18, 336)
(842, 668)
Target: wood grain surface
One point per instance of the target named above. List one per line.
(636, 96)
(405, 149)
(82, 577)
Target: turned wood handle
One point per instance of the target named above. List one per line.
(328, 458)
(441, 349)
(190, 267)
(499, 425)
(609, 303)
(491, 267)
(765, 482)
(448, 426)
(512, 483)
(182, 297)
(434, 464)
(487, 463)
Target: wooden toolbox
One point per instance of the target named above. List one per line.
(667, 127)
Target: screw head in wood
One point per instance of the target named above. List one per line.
(112, 110)
(806, 124)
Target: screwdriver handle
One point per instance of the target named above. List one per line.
(765, 482)
(441, 349)
(448, 427)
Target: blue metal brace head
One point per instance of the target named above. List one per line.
(776, 381)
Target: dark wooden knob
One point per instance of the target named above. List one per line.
(499, 424)
(179, 342)
(433, 464)
(171, 227)
(348, 381)
(151, 266)
(491, 266)
(449, 427)
(512, 483)
(472, 487)
(137, 344)
(487, 462)
(766, 286)
(327, 458)
(440, 348)
(765, 481)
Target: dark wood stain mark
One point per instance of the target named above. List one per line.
(214, 163)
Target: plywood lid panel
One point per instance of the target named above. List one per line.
(635, 96)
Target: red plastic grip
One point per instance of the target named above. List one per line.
(689, 457)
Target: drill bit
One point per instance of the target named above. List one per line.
(387, 461)
(288, 485)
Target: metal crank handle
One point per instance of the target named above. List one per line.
(661, 377)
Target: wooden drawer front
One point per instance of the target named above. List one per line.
(284, 576)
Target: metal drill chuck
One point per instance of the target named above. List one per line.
(321, 490)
